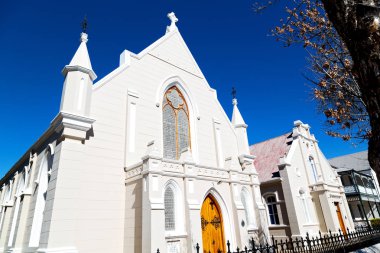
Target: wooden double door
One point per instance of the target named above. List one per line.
(212, 226)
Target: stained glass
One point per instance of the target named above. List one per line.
(169, 133)
(175, 124)
(169, 209)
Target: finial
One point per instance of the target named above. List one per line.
(233, 93)
(173, 20)
(84, 24)
(83, 35)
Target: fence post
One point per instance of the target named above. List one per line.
(274, 244)
(308, 242)
(197, 247)
(253, 245)
(228, 247)
(158, 250)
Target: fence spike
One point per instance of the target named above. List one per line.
(246, 249)
(228, 247)
(197, 247)
(158, 250)
(237, 250)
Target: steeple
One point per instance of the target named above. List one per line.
(237, 119)
(81, 60)
(74, 116)
(79, 77)
(240, 127)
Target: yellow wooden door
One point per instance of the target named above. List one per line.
(340, 218)
(212, 226)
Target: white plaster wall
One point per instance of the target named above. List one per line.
(147, 77)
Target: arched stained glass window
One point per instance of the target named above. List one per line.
(169, 205)
(176, 129)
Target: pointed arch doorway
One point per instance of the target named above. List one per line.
(212, 226)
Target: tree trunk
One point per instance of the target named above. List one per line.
(354, 21)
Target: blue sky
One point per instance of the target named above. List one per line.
(229, 42)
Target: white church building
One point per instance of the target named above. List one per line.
(144, 158)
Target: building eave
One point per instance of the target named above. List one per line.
(25, 156)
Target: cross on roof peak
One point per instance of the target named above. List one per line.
(173, 20)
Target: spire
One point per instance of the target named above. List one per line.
(81, 60)
(237, 119)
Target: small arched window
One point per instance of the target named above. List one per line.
(272, 209)
(176, 128)
(313, 170)
(169, 205)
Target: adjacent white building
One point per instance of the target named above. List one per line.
(144, 158)
(302, 192)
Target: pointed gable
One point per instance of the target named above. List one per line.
(268, 154)
(173, 50)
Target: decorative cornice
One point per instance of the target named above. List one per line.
(66, 121)
(241, 125)
(69, 68)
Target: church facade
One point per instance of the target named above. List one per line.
(301, 191)
(145, 158)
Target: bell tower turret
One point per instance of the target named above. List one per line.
(74, 115)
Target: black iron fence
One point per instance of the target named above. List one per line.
(331, 242)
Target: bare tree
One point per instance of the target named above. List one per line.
(342, 38)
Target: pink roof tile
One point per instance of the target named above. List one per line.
(268, 154)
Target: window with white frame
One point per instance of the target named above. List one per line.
(272, 210)
(169, 205)
(313, 170)
(248, 209)
(176, 127)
